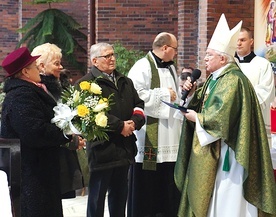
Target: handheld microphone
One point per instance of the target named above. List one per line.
(194, 76)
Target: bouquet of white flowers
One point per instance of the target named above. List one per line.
(83, 111)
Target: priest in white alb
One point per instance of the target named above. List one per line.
(259, 71)
(152, 188)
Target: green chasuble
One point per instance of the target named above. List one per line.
(231, 112)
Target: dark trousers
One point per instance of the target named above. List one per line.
(113, 181)
(153, 193)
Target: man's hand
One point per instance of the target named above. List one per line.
(82, 143)
(129, 127)
(172, 94)
(190, 115)
(189, 86)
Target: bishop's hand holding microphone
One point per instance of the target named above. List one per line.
(188, 86)
(189, 83)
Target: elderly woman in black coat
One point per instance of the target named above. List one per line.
(26, 114)
(49, 65)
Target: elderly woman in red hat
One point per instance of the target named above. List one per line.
(26, 114)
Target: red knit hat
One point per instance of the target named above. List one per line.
(17, 60)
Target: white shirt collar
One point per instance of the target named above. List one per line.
(217, 72)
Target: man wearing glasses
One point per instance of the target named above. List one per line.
(109, 160)
(152, 190)
(224, 167)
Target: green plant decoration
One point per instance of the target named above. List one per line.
(125, 58)
(54, 26)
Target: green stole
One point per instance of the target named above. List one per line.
(151, 140)
(226, 163)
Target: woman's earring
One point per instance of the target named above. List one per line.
(42, 72)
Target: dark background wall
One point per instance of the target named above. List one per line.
(134, 23)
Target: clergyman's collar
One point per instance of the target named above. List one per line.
(160, 63)
(245, 59)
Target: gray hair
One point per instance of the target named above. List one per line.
(96, 49)
(229, 58)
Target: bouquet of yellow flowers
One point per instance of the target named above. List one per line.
(83, 111)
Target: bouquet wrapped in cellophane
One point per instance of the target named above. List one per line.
(82, 111)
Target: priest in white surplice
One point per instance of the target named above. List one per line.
(259, 71)
(152, 188)
(224, 167)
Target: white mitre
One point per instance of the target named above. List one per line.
(224, 39)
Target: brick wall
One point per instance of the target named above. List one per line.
(187, 34)
(9, 12)
(78, 9)
(234, 10)
(135, 23)
(15, 14)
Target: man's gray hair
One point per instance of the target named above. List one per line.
(229, 58)
(96, 49)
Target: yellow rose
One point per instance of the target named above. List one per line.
(82, 110)
(100, 107)
(103, 100)
(101, 119)
(85, 85)
(94, 88)
(76, 96)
